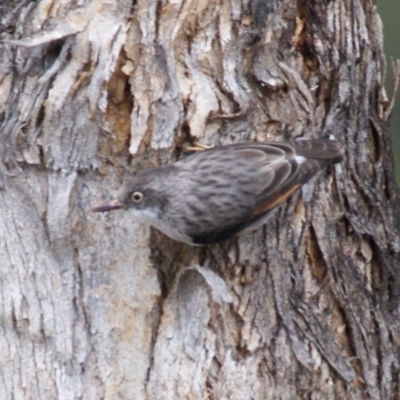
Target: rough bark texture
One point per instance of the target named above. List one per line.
(100, 307)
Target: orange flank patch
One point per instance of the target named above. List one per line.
(275, 200)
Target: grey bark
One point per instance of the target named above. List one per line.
(101, 307)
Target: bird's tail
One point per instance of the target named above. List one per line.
(324, 150)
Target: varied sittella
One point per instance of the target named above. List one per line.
(213, 195)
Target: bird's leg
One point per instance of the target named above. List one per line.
(197, 146)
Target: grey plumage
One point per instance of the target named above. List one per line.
(215, 194)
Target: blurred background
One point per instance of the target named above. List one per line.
(389, 11)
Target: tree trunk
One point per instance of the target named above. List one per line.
(98, 306)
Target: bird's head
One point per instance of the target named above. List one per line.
(139, 193)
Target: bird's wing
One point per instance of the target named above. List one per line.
(286, 167)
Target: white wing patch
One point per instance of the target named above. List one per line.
(300, 159)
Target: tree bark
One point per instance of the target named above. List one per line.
(98, 306)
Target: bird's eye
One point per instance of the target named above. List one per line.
(137, 197)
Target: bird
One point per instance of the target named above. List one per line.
(213, 195)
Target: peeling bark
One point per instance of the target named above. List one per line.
(101, 307)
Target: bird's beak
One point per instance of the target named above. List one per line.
(113, 205)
